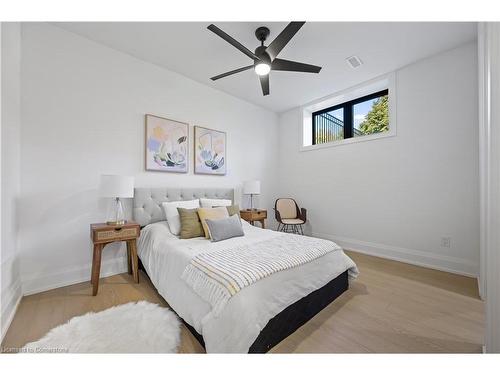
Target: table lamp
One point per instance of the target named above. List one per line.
(251, 188)
(116, 187)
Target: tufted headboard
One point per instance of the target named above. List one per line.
(147, 201)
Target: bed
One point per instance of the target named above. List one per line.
(260, 315)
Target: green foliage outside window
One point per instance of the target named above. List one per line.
(377, 120)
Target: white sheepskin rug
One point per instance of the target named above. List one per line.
(140, 327)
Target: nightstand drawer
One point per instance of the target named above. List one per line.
(259, 215)
(116, 234)
(253, 215)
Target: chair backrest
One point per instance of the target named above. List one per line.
(287, 208)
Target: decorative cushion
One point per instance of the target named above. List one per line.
(190, 223)
(208, 203)
(223, 229)
(286, 207)
(233, 210)
(173, 218)
(292, 221)
(211, 213)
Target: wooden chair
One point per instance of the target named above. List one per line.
(289, 216)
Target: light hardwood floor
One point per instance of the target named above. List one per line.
(391, 308)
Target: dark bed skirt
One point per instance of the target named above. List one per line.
(291, 318)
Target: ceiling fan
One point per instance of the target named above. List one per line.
(265, 58)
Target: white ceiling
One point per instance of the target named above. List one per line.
(190, 49)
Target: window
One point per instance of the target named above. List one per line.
(360, 113)
(355, 118)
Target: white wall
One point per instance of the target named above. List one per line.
(489, 37)
(83, 109)
(10, 129)
(396, 197)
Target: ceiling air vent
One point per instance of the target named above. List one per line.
(354, 62)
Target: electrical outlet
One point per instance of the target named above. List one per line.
(445, 241)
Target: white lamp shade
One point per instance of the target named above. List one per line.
(251, 187)
(113, 186)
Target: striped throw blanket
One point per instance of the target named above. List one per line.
(218, 275)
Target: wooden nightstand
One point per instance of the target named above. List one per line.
(254, 215)
(103, 234)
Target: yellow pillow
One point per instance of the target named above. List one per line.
(213, 214)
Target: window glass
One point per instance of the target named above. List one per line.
(329, 126)
(371, 116)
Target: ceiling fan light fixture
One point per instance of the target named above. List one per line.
(262, 69)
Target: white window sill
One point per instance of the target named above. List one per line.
(349, 141)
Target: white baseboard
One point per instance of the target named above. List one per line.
(73, 275)
(416, 257)
(14, 295)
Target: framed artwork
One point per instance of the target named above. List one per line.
(209, 151)
(166, 145)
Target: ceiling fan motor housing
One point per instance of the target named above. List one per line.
(262, 33)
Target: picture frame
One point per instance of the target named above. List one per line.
(210, 151)
(166, 145)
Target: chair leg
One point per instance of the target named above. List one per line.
(301, 229)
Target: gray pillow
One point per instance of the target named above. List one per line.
(223, 229)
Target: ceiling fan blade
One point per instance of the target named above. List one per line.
(231, 72)
(264, 82)
(232, 41)
(282, 40)
(294, 66)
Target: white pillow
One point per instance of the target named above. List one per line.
(209, 203)
(173, 218)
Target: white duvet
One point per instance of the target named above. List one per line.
(234, 330)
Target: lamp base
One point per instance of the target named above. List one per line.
(119, 222)
(118, 216)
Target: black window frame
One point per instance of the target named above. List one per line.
(348, 108)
